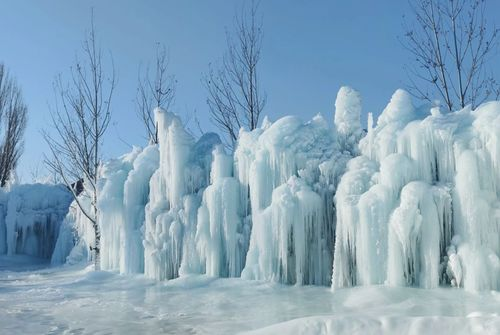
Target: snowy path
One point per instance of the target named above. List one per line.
(76, 301)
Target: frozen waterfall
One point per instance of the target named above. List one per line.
(412, 201)
(420, 206)
(31, 217)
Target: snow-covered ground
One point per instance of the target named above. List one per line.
(76, 300)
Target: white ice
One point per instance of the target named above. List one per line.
(401, 220)
(31, 217)
(78, 300)
(415, 203)
(423, 177)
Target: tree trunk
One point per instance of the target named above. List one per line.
(97, 235)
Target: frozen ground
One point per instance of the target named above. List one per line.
(74, 300)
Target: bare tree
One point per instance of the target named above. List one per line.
(452, 44)
(234, 96)
(80, 118)
(13, 118)
(155, 92)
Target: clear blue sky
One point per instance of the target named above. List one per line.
(310, 49)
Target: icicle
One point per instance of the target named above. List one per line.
(293, 220)
(219, 238)
(33, 217)
(182, 171)
(135, 198)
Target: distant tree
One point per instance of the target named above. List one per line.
(452, 44)
(13, 119)
(80, 119)
(39, 174)
(234, 96)
(158, 91)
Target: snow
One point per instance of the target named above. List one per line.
(75, 299)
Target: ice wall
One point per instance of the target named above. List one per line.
(416, 235)
(30, 218)
(182, 175)
(66, 240)
(76, 234)
(422, 178)
(168, 185)
(112, 216)
(3, 226)
(135, 197)
(148, 202)
(414, 203)
(288, 172)
(221, 235)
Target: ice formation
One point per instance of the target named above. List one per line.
(111, 203)
(31, 217)
(290, 171)
(422, 178)
(182, 174)
(348, 119)
(412, 201)
(148, 202)
(221, 236)
(135, 198)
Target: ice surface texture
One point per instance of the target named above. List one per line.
(412, 201)
(31, 217)
(420, 206)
